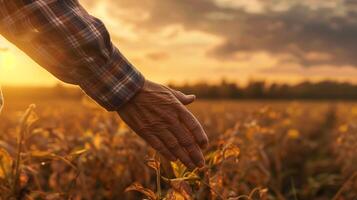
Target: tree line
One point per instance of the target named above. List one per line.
(328, 90)
(261, 90)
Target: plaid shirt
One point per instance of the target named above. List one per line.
(73, 45)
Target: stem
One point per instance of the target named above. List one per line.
(7, 179)
(23, 130)
(158, 178)
(294, 189)
(339, 193)
(71, 186)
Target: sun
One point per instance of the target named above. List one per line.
(7, 60)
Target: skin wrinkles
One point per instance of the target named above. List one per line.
(158, 115)
(184, 140)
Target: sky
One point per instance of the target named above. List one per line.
(206, 40)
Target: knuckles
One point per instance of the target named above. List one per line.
(172, 145)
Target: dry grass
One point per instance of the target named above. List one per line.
(258, 151)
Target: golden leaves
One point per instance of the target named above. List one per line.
(229, 151)
(145, 191)
(343, 128)
(180, 191)
(293, 134)
(5, 164)
(97, 141)
(266, 143)
(354, 110)
(154, 164)
(179, 169)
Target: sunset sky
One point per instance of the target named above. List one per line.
(194, 40)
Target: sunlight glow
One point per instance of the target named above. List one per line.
(173, 52)
(7, 60)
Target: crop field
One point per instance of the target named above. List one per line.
(258, 150)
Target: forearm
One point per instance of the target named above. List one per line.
(74, 46)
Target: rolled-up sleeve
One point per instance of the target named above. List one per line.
(73, 45)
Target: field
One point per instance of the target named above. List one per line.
(258, 150)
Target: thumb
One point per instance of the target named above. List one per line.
(183, 98)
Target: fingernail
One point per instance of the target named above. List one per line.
(192, 96)
(173, 159)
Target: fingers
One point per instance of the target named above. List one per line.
(184, 99)
(174, 147)
(184, 158)
(188, 143)
(194, 126)
(160, 147)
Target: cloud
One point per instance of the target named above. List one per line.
(157, 56)
(307, 32)
(298, 32)
(291, 72)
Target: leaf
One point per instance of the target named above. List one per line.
(218, 156)
(5, 163)
(263, 193)
(28, 119)
(293, 134)
(179, 169)
(24, 179)
(78, 152)
(97, 141)
(231, 151)
(343, 128)
(182, 188)
(44, 155)
(214, 157)
(174, 195)
(139, 188)
(54, 196)
(154, 164)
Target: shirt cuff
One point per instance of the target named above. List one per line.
(113, 85)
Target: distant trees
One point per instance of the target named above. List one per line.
(223, 90)
(261, 90)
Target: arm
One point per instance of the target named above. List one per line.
(75, 47)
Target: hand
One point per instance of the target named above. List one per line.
(157, 114)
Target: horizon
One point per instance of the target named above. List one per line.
(233, 39)
(198, 82)
(256, 90)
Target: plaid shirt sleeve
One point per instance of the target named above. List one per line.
(73, 45)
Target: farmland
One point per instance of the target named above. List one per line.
(67, 149)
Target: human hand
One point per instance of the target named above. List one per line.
(158, 115)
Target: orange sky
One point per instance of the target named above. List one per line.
(183, 48)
